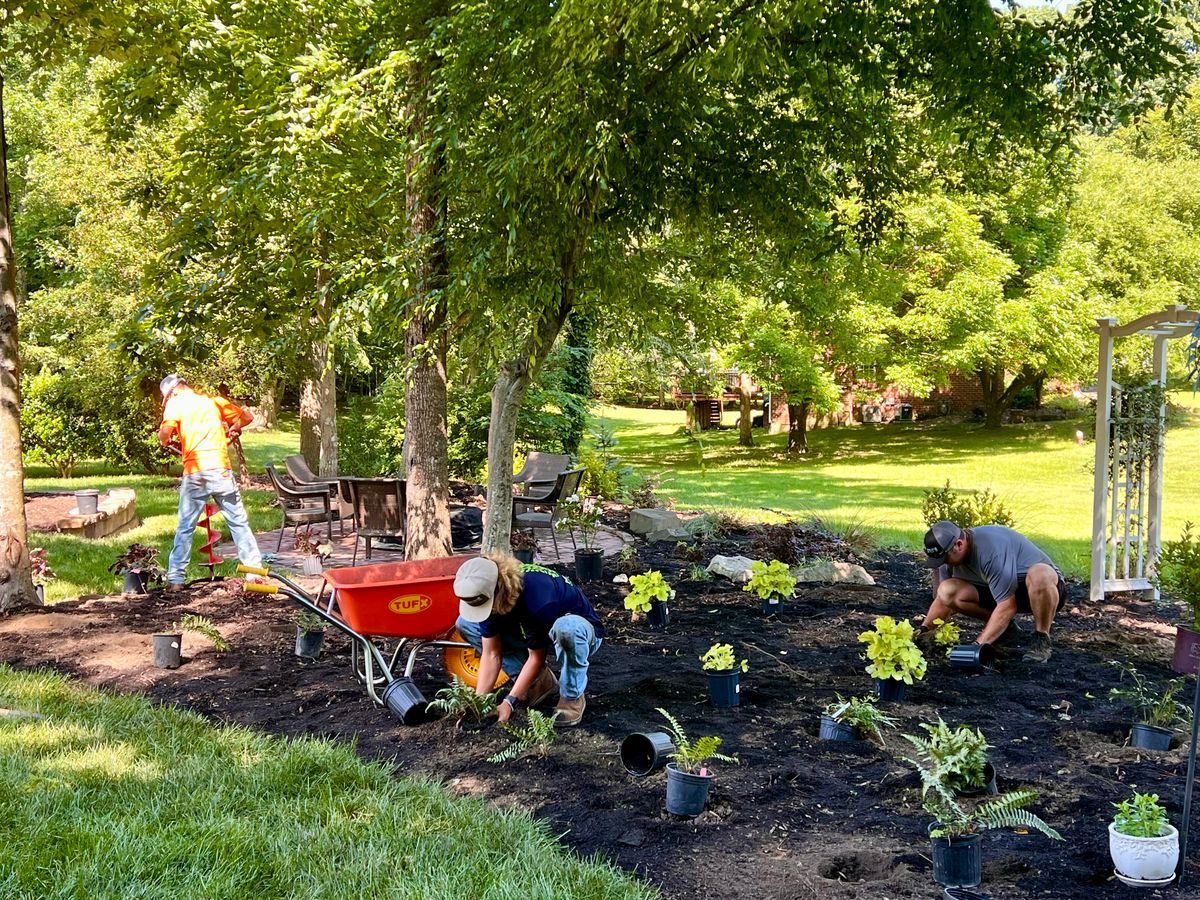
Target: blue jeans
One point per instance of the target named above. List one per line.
(193, 494)
(574, 640)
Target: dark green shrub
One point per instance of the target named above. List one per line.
(966, 510)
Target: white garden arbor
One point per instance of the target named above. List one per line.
(1127, 504)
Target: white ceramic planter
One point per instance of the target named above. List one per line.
(1144, 858)
(311, 565)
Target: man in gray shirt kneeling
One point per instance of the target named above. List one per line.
(991, 573)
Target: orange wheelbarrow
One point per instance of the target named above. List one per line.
(410, 603)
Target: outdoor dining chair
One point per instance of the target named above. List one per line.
(301, 505)
(540, 470)
(526, 512)
(297, 468)
(378, 507)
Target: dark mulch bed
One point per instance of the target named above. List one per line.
(798, 818)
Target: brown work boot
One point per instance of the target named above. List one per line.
(570, 712)
(174, 587)
(544, 687)
(1039, 649)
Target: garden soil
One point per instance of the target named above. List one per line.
(796, 818)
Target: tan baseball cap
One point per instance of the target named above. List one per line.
(475, 587)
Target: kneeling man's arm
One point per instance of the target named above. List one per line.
(998, 621)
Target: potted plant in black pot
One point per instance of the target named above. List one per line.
(957, 757)
(850, 720)
(460, 701)
(314, 553)
(39, 568)
(895, 661)
(958, 826)
(688, 775)
(524, 544)
(1144, 846)
(139, 565)
(649, 595)
(772, 582)
(724, 675)
(1157, 711)
(168, 645)
(1177, 571)
(583, 514)
(310, 635)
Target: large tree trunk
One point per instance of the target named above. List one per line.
(578, 376)
(16, 584)
(512, 383)
(268, 402)
(998, 398)
(426, 449)
(318, 394)
(798, 427)
(745, 423)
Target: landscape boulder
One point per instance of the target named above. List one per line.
(645, 522)
(834, 572)
(735, 568)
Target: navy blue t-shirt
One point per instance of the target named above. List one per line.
(545, 598)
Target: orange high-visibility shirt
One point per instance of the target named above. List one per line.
(200, 421)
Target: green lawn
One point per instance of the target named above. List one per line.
(81, 565)
(876, 474)
(110, 796)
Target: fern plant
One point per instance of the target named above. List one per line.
(461, 701)
(645, 589)
(957, 757)
(204, 627)
(773, 579)
(539, 736)
(692, 757)
(953, 819)
(861, 713)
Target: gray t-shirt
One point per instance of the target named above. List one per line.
(999, 556)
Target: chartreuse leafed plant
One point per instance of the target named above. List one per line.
(1155, 706)
(954, 819)
(204, 627)
(644, 589)
(1140, 816)
(955, 756)
(461, 701)
(947, 635)
(862, 713)
(692, 757)
(539, 736)
(773, 579)
(115, 797)
(891, 651)
(720, 658)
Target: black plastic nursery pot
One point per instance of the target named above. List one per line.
(1187, 650)
(772, 606)
(686, 793)
(589, 565)
(989, 784)
(957, 862)
(1150, 737)
(972, 657)
(659, 616)
(168, 650)
(833, 730)
(890, 689)
(645, 752)
(405, 701)
(135, 583)
(525, 556)
(309, 643)
(724, 688)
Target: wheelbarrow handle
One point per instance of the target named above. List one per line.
(252, 570)
(259, 588)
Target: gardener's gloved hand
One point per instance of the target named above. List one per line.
(926, 640)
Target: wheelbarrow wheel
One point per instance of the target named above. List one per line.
(464, 663)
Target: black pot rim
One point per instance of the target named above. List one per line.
(671, 767)
(960, 840)
(1157, 729)
(590, 551)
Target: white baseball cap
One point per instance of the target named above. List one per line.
(475, 587)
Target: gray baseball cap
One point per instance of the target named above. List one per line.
(938, 541)
(475, 588)
(169, 383)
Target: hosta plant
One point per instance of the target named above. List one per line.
(1155, 706)
(693, 757)
(720, 658)
(955, 756)
(645, 589)
(461, 701)
(861, 713)
(891, 651)
(538, 736)
(773, 579)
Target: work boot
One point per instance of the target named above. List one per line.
(175, 586)
(1012, 634)
(1039, 649)
(543, 688)
(570, 712)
